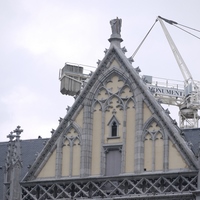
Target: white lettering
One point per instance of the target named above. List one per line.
(167, 91)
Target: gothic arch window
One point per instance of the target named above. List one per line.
(71, 145)
(70, 151)
(148, 153)
(114, 127)
(153, 148)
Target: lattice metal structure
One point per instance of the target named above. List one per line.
(146, 186)
(6, 191)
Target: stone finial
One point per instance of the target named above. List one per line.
(167, 111)
(174, 122)
(11, 136)
(124, 50)
(13, 164)
(138, 70)
(18, 131)
(190, 145)
(98, 62)
(60, 119)
(68, 108)
(91, 72)
(52, 131)
(131, 59)
(114, 112)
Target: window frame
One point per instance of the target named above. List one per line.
(110, 124)
(112, 147)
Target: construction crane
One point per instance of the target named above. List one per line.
(72, 78)
(186, 96)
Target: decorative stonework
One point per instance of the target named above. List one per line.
(70, 141)
(154, 186)
(13, 166)
(114, 89)
(114, 94)
(153, 131)
(71, 136)
(153, 148)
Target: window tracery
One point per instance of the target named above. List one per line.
(153, 148)
(71, 146)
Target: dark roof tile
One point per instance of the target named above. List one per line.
(192, 136)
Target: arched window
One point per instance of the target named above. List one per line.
(114, 129)
(71, 153)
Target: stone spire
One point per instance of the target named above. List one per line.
(13, 165)
(115, 37)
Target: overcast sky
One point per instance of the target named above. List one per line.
(39, 36)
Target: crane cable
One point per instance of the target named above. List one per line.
(169, 22)
(188, 31)
(143, 40)
(176, 25)
(189, 27)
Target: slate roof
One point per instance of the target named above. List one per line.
(192, 136)
(30, 149)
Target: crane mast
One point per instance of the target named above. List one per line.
(181, 63)
(189, 109)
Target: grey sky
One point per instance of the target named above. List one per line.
(38, 37)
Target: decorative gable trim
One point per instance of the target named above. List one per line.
(140, 91)
(149, 122)
(113, 119)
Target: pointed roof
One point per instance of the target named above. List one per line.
(115, 51)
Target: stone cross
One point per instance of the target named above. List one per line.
(11, 136)
(18, 131)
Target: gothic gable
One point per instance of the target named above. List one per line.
(115, 123)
